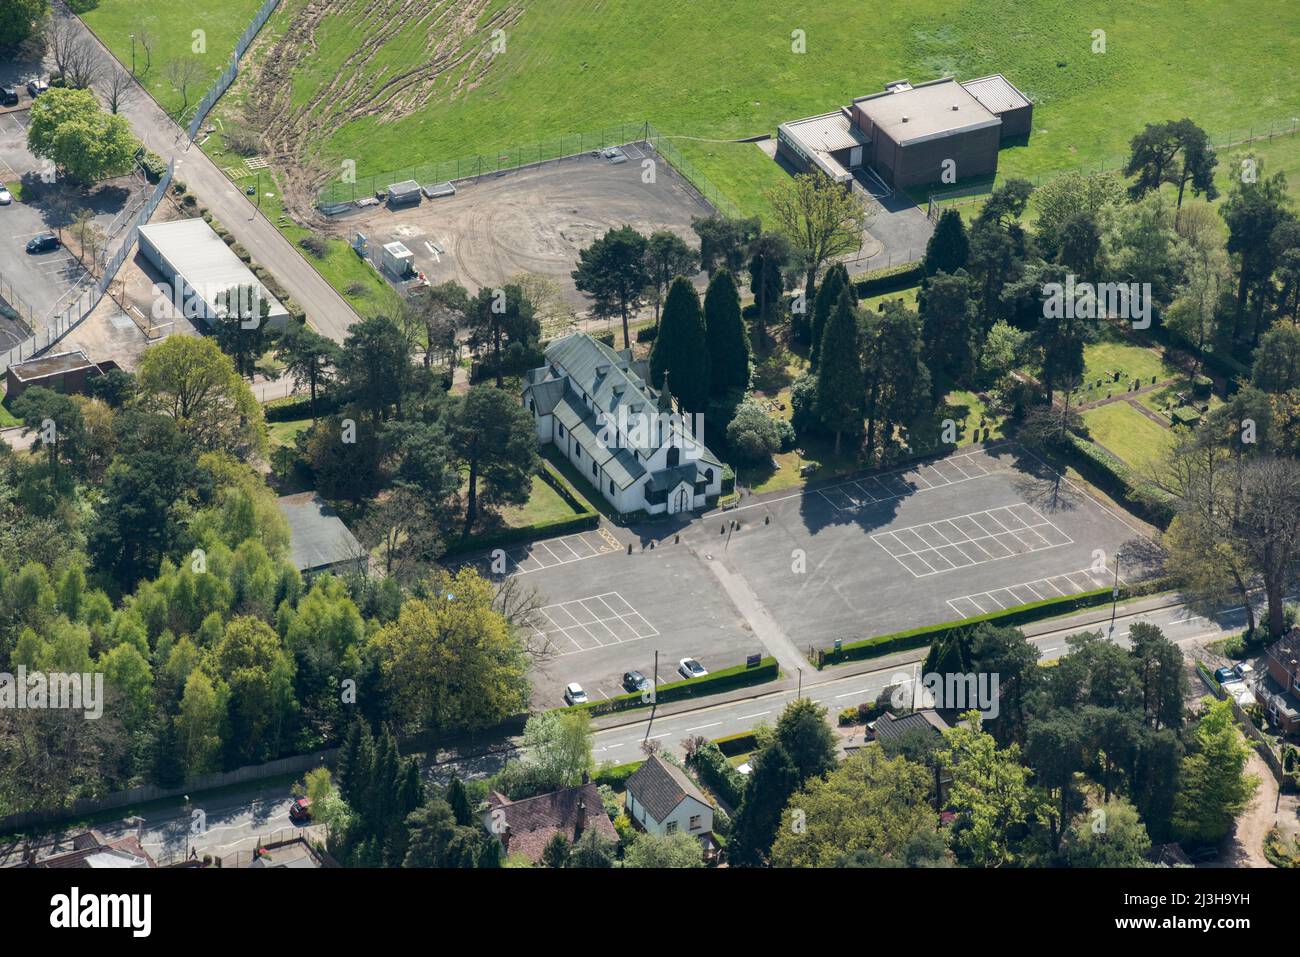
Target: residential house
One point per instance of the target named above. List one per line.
(661, 799)
(597, 408)
(525, 827)
(90, 849)
(1279, 687)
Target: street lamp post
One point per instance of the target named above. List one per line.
(133, 56)
(1114, 598)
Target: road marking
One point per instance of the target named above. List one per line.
(949, 550)
(701, 727)
(746, 717)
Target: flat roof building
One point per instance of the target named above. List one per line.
(201, 268)
(62, 372)
(940, 131)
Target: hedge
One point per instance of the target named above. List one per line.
(733, 744)
(717, 774)
(1019, 615)
(735, 677)
(293, 408)
(1117, 480)
(902, 276)
(646, 334)
(616, 777)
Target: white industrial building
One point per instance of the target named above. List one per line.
(201, 267)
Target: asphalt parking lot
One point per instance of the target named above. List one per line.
(45, 282)
(960, 536)
(970, 533)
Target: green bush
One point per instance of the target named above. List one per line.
(717, 774)
(646, 334)
(1185, 415)
(848, 716)
(1201, 386)
(615, 777)
(734, 744)
(735, 677)
(753, 435)
(605, 337)
(526, 533)
(902, 276)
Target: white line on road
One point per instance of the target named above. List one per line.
(701, 727)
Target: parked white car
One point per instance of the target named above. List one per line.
(573, 694)
(690, 668)
(1245, 671)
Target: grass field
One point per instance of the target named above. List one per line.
(544, 505)
(569, 65)
(1128, 433)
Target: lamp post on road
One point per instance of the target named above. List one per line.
(1114, 597)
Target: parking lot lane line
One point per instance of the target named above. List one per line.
(650, 630)
(550, 551)
(953, 463)
(620, 600)
(916, 476)
(907, 560)
(1048, 583)
(828, 499)
(558, 542)
(601, 599)
(866, 491)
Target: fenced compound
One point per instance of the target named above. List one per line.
(521, 156)
(232, 71)
(84, 304)
(978, 189)
(18, 309)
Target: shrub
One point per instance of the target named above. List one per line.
(803, 403)
(1185, 415)
(242, 139)
(716, 772)
(752, 435)
(316, 245)
(646, 334)
(605, 337)
(1201, 386)
(848, 716)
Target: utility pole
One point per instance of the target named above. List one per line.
(799, 695)
(133, 56)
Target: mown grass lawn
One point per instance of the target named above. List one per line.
(544, 505)
(173, 28)
(1128, 434)
(285, 433)
(725, 69)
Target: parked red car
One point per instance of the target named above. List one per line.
(300, 811)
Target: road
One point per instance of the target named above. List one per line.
(235, 821)
(326, 310)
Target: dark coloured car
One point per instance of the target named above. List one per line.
(8, 96)
(36, 87)
(43, 243)
(635, 681)
(1224, 674)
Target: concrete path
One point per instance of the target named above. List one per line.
(326, 310)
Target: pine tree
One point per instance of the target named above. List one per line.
(827, 296)
(680, 349)
(948, 249)
(839, 378)
(458, 798)
(724, 330)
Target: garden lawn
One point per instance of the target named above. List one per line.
(285, 433)
(544, 505)
(1129, 434)
(580, 65)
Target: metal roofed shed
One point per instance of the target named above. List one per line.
(405, 193)
(1000, 97)
(319, 541)
(439, 190)
(829, 141)
(201, 267)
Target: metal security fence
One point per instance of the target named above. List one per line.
(84, 304)
(228, 75)
(349, 188)
(18, 309)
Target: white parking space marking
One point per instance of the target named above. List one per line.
(540, 555)
(862, 492)
(591, 623)
(989, 536)
(1009, 596)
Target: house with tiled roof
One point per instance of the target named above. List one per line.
(92, 850)
(661, 799)
(525, 827)
(596, 406)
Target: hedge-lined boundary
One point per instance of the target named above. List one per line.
(616, 776)
(1117, 480)
(902, 276)
(742, 742)
(586, 519)
(1019, 615)
(737, 676)
(293, 408)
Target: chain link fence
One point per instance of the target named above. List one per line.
(350, 187)
(228, 75)
(979, 189)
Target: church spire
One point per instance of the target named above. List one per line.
(665, 396)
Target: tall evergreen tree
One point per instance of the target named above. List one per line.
(949, 320)
(681, 348)
(948, 249)
(724, 331)
(897, 380)
(839, 378)
(828, 294)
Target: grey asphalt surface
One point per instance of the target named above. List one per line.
(325, 308)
